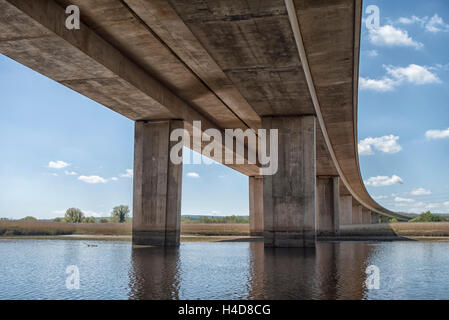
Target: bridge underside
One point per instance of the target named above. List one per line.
(289, 65)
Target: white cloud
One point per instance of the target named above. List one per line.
(382, 181)
(114, 178)
(399, 199)
(57, 164)
(446, 203)
(437, 134)
(413, 19)
(434, 24)
(386, 144)
(380, 197)
(71, 173)
(390, 36)
(414, 74)
(372, 53)
(193, 175)
(421, 192)
(128, 174)
(385, 84)
(92, 179)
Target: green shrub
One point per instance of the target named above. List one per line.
(429, 217)
(29, 218)
(74, 215)
(120, 213)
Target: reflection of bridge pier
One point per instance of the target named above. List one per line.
(154, 274)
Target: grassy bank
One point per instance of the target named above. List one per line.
(41, 228)
(404, 229)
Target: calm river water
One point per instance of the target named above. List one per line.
(36, 269)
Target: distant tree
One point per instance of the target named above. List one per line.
(428, 217)
(89, 220)
(393, 220)
(120, 213)
(74, 215)
(29, 218)
(104, 220)
(58, 220)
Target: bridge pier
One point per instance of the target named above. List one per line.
(157, 185)
(366, 216)
(345, 210)
(356, 214)
(289, 194)
(374, 218)
(328, 205)
(256, 206)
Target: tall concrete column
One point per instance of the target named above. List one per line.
(356, 214)
(328, 205)
(157, 185)
(366, 216)
(256, 206)
(374, 218)
(345, 210)
(289, 194)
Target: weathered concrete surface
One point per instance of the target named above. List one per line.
(328, 205)
(256, 206)
(345, 209)
(356, 214)
(374, 218)
(289, 195)
(157, 185)
(366, 216)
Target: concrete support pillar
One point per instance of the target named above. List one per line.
(374, 218)
(328, 205)
(289, 194)
(366, 216)
(384, 219)
(157, 185)
(256, 206)
(356, 214)
(345, 210)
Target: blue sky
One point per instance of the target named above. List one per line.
(61, 150)
(404, 105)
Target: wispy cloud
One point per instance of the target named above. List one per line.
(383, 181)
(92, 179)
(413, 74)
(128, 174)
(420, 192)
(437, 134)
(58, 164)
(433, 24)
(192, 175)
(391, 36)
(399, 199)
(385, 144)
(71, 173)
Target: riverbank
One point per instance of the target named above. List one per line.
(418, 231)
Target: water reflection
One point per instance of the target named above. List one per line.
(154, 273)
(332, 270)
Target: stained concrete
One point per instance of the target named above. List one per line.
(289, 195)
(157, 185)
(357, 214)
(366, 216)
(345, 209)
(256, 206)
(328, 205)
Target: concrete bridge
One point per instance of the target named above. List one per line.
(289, 65)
